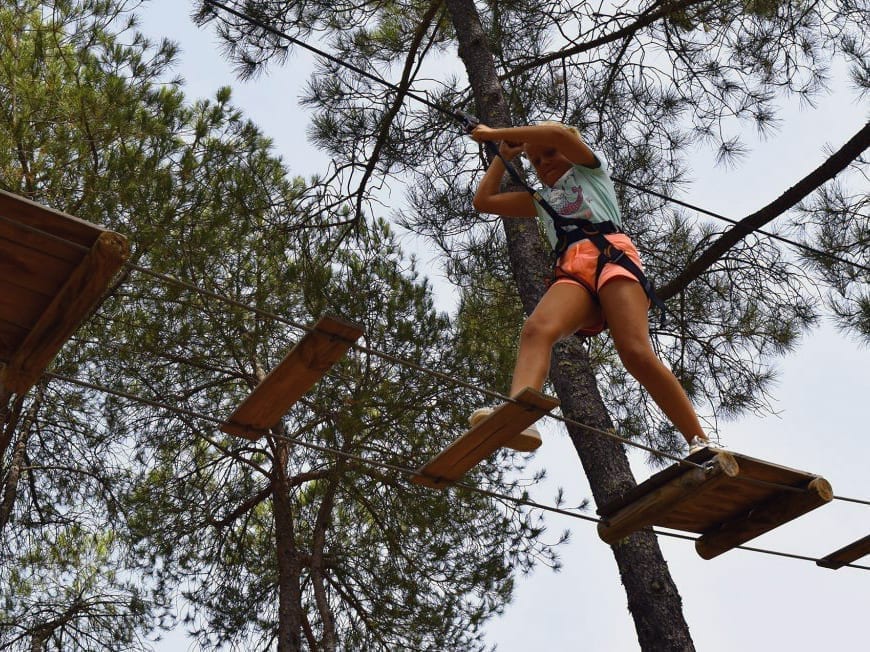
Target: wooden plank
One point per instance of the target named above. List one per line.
(11, 336)
(21, 306)
(846, 554)
(296, 374)
(715, 506)
(47, 219)
(726, 512)
(80, 295)
(15, 232)
(485, 438)
(756, 469)
(34, 270)
(652, 507)
(653, 482)
(781, 508)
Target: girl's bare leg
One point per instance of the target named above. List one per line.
(564, 308)
(625, 306)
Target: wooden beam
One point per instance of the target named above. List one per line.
(55, 223)
(781, 508)
(34, 269)
(651, 507)
(11, 336)
(508, 420)
(69, 252)
(79, 296)
(846, 554)
(296, 374)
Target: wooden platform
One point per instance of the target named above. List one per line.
(296, 374)
(54, 271)
(847, 554)
(720, 502)
(484, 439)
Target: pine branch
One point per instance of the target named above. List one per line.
(835, 164)
(644, 20)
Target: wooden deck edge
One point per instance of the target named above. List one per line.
(777, 510)
(49, 220)
(79, 296)
(648, 509)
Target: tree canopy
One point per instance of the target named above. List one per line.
(268, 540)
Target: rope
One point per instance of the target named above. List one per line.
(772, 236)
(420, 368)
(379, 80)
(402, 469)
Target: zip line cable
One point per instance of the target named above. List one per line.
(345, 64)
(401, 469)
(457, 115)
(450, 380)
(772, 236)
(461, 383)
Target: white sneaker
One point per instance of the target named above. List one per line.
(525, 442)
(697, 444)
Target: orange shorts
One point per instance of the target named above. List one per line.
(578, 265)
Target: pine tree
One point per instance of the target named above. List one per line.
(112, 505)
(83, 130)
(642, 84)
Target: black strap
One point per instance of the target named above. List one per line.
(608, 252)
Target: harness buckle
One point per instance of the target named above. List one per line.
(469, 121)
(608, 252)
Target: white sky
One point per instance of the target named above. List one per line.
(740, 600)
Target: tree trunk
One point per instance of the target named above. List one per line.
(12, 474)
(10, 484)
(289, 567)
(653, 598)
(324, 516)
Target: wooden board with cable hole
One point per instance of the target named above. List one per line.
(846, 555)
(733, 498)
(485, 438)
(305, 364)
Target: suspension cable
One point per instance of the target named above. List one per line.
(451, 380)
(396, 467)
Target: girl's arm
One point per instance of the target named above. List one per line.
(553, 135)
(489, 199)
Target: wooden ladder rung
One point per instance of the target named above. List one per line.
(305, 364)
(502, 426)
(846, 554)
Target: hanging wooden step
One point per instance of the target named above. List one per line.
(296, 374)
(55, 270)
(727, 501)
(846, 554)
(503, 425)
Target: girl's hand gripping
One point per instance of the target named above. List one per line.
(508, 150)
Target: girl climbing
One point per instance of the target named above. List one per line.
(590, 292)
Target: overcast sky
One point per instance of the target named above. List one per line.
(740, 600)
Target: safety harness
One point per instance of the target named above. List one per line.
(596, 232)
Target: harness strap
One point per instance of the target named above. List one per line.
(609, 253)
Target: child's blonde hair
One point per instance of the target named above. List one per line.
(556, 123)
